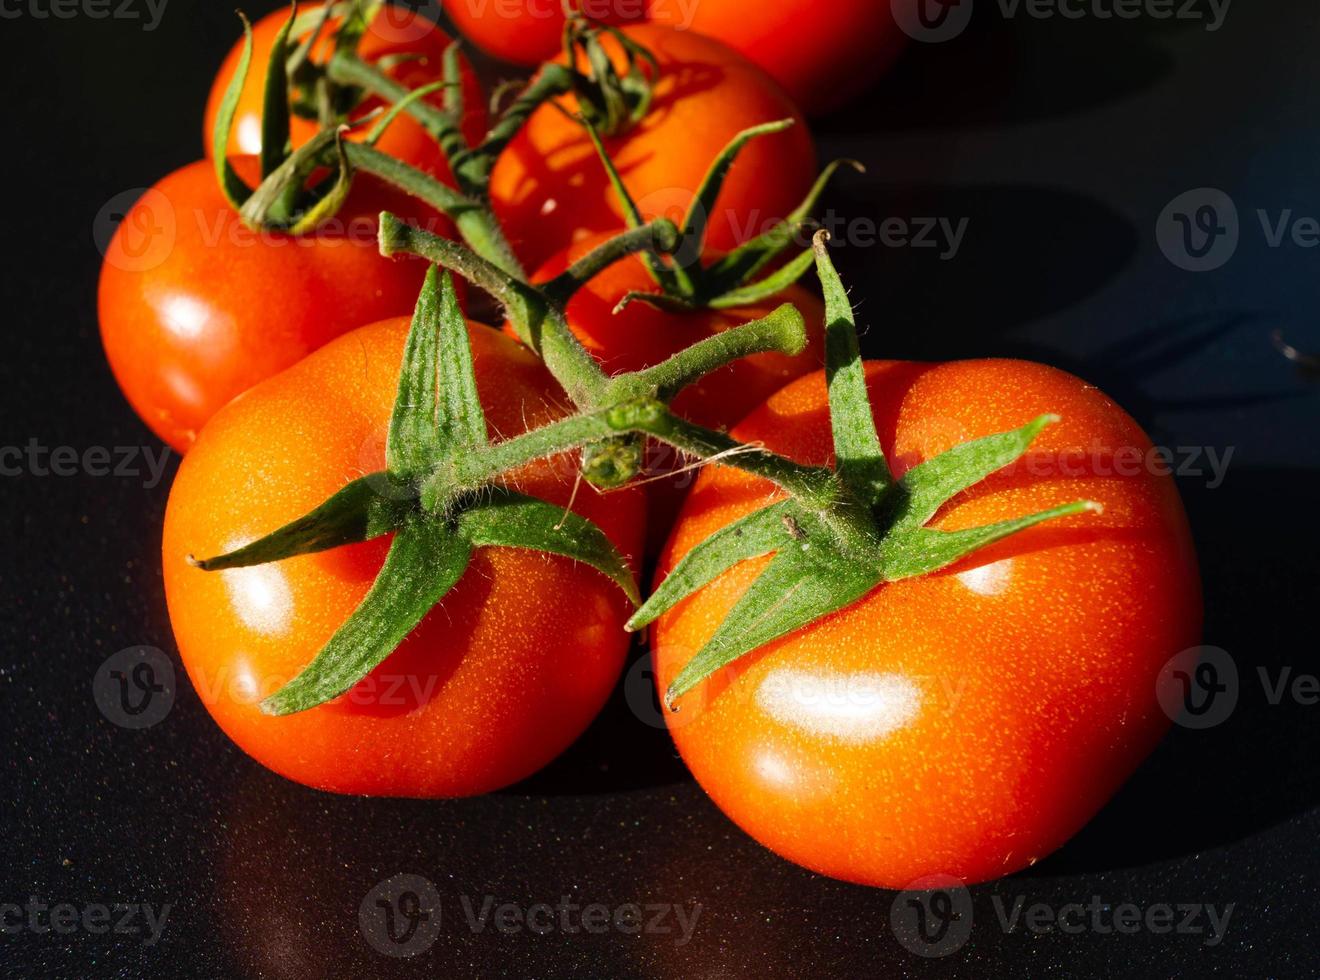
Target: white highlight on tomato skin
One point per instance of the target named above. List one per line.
(991, 579)
(184, 316)
(261, 597)
(855, 707)
(249, 134)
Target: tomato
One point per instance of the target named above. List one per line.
(395, 32)
(496, 681)
(965, 723)
(820, 54)
(196, 308)
(527, 32)
(549, 188)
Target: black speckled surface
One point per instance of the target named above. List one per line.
(1061, 141)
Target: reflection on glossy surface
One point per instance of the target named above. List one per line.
(856, 707)
(261, 597)
(991, 579)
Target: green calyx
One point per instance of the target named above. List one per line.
(820, 564)
(437, 421)
(746, 275)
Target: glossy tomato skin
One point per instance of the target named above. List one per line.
(496, 681)
(527, 32)
(195, 307)
(965, 723)
(821, 54)
(549, 188)
(396, 32)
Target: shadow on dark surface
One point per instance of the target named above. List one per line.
(1002, 73)
(1025, 252)
(1127, 369)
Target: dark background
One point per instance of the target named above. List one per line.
(1061, 141)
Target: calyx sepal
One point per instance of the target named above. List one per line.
(818, 563)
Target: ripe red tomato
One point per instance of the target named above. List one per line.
(965, 723)
(527, 32)
(394, 32)
(196, 308)
(494, 683)
(821, 55)
(549, 187)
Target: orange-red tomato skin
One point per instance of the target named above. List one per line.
(549, 189)
(497, 680)
(965, 723)
(195, 307)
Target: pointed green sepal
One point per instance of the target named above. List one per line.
(507, 519)
(861, 461)
(425, 560)
(437, 408)
(231, 185)
(703, 204)
(367, 508)
(275, 147)
(927, 486)
(804, 582)
(747, 260)
(756, 535)
(763, 289)
(924, 550)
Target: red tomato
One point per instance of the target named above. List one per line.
(820, 54)
(196, 308)
(494, 683)
(549, 187)
(965, 723)
(394, 32)
(527, 32)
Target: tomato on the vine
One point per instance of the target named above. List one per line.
(549, 187)
(966, 722)
(496, 680)
(195, 307)
(412, 49)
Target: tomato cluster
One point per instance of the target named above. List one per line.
(964, 716)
